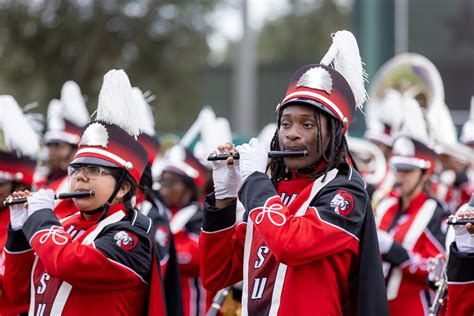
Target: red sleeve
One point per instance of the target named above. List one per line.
(19, 259)
(414, 263)
(98, 266)
(460, 282)
(187, 252)
(460, 299)
(221, 247)
(322, 230)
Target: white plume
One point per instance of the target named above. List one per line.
(414, 124)
(144, 112)
(441, 125)
(345, 57)
(316, 78)
(205, 115)
(266, 135)
(75, 109)
(214, 133)
(116, 105)
(55, 115)
(18, 135)
(467, 133)
(391, 112)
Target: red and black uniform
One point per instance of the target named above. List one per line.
(460, 282)
(456, 194)
(307, 248)
(419, 232)
(185, 225)
(160, 215)
(6, 307)
(81, 267)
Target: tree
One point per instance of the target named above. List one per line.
(161, 45)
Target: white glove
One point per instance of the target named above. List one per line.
(385, 241)
(43, 199)
(253, 157)
(18, 216)
(226, 179)
(464, 240)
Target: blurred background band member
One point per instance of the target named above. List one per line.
(308, 244)
(150, 203)
(181, 194)
(65, 121)
(410, 223)
(102, 258)
(19, 145)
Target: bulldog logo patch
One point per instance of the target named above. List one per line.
(126, 240)
(343, 203)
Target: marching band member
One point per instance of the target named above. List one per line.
(20, 145)
(100, 258)
(66, 118)
(151, 204)
(308, 244)
(181, 194)
(410, 222)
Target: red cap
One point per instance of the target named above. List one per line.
(108, 145)
(408, 153)
(324, 88)
(18, 169)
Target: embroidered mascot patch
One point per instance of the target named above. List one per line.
(126, 240)
(343, 203)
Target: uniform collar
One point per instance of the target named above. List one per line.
(112, 210)
(416, 203)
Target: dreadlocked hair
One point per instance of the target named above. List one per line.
(335, 153)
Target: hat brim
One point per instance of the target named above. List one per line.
(303, 101)
(94, 161)
(408, 163)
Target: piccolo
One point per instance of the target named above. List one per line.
(456, 220)
(58, 196)
(271, 154)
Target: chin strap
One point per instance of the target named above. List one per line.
(118, 185)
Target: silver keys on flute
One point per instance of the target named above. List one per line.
(271, 154)
(460, 220)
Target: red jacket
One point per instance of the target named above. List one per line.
(299, 250)
(6, 307)
(185, 225)
(460, 283)
(419, 233)
(80, 267)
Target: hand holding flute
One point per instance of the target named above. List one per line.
(16, 198)
(464, 216)
(24, 203)
(227, 174)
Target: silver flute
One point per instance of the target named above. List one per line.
(271, 154)
(58, 196)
